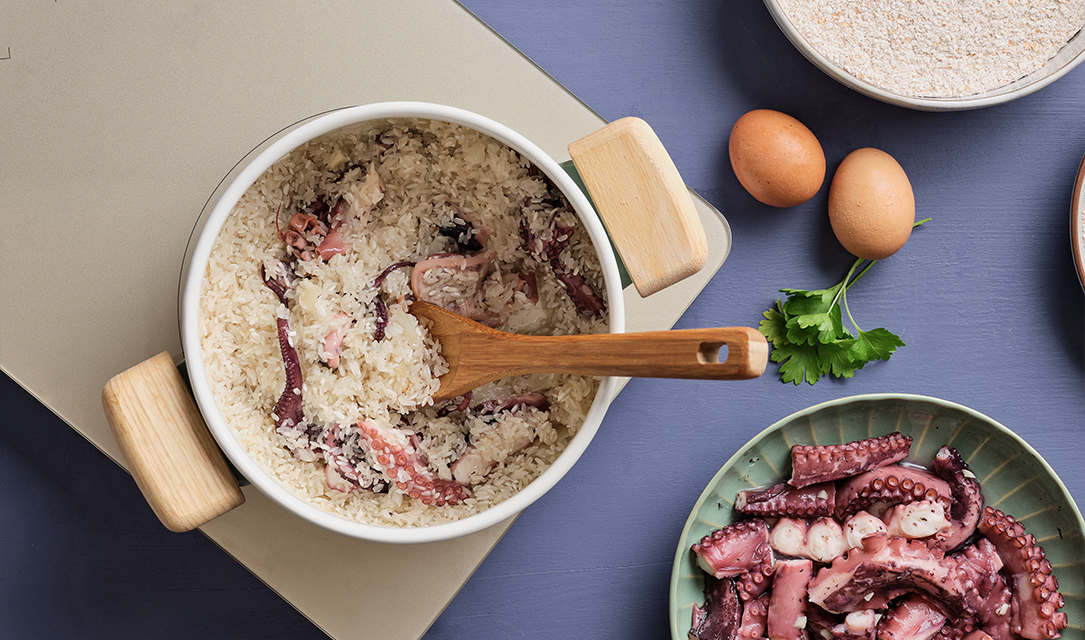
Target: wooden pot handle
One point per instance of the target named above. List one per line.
(167, 446)
(643, 203)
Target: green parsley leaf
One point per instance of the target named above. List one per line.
(876, 344)
(798, 362)
(774, 326)
(835, 355)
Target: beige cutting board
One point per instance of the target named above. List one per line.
(119, 122)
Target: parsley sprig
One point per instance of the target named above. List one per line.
(808, 336)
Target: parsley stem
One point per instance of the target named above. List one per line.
(843, 286)
(844, 299)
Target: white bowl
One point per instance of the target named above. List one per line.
(225, 435)
(1067, 58)
(1077, 224)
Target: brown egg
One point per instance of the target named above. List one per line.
(871, 204)
(776, 158)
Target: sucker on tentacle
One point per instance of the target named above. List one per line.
(782, 500)
(393, 454)
(859, 526)
(755, 583)
(821, 540)
(754, 618)
(811, 464)
(1035, 589)
(857, 625)
(919, 519)
(892, 484)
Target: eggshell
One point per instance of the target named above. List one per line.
(776, 158)
(871, 204)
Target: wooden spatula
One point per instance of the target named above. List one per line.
(477, 354)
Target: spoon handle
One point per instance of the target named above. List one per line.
(684, 353)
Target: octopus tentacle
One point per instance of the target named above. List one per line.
(499, 440)
(860, 525)
(754, 617)
(979, 565)
(811, 464)
(892, 484)
(345, 466)
(857, 625)
(782, 500)
(1035, 589)
(913, 618)
(755, 583)
(883, 568)
(721, 614)
(393, 454)
(299, 436)
(549, 248)
(787, 601)
(967, 506)
(734, 549)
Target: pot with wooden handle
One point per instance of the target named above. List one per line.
(164, 434)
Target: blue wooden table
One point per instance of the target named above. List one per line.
(985, 296)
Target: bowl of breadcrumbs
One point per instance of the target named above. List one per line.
(937, 55)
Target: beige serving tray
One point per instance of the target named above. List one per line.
(120, 123)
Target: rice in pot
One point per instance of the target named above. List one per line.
(481, 231)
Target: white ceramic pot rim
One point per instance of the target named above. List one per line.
(190, 334)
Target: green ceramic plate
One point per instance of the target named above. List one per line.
(1014, 478)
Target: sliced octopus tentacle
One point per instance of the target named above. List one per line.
(919, 519)
(469, 301)
(788, 536)
(885, 567)
(787, 600)
(912, 618)
(500, 439)
(380, 309)
(892, 484)
(857, 625)
(782, 500)
(967, 506)
(860, 525)
(733, 550)
(979, 566)
(549, 248)
(721, 614)
(301, 438)
(754, 617)
(1035, 589)
(345, 466)
(811, 464)
(756, 582)
(392, 453)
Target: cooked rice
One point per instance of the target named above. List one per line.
(433, 170)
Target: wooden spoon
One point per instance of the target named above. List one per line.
(477, 354)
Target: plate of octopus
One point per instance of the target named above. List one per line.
(888, 517)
